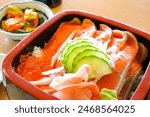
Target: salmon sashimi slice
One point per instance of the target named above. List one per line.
(126, 54)
(74, 86)
(31, 66)
(86, 30)
(134, 68)
(114, 81)
(142, 53)
(124, 59)
(103, 37)
(116, 43)
(134, 71)
(59, 37)
(126, 50)
(118, 39)
(103, 34)
(109, 81)
(86, 24)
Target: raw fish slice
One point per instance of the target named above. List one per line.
(114, 81)
(104, 33)
(86, 30)
(57, 64)
(134, 71)
(118, 39)
(56, 56)
(103, 37)
(121, 64)
(116, 43)
(142, 53)
(59, 37)
(126, 53)
(109, 81)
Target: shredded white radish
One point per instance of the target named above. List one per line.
(57, 54)
(43, 81)
(53, 71)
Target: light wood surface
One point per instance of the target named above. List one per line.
(132, 12)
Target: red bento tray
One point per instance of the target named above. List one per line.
(42, 35)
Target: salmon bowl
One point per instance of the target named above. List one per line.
(75, 53)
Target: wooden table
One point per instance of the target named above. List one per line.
(132, 12)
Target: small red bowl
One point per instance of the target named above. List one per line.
(25, 90)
